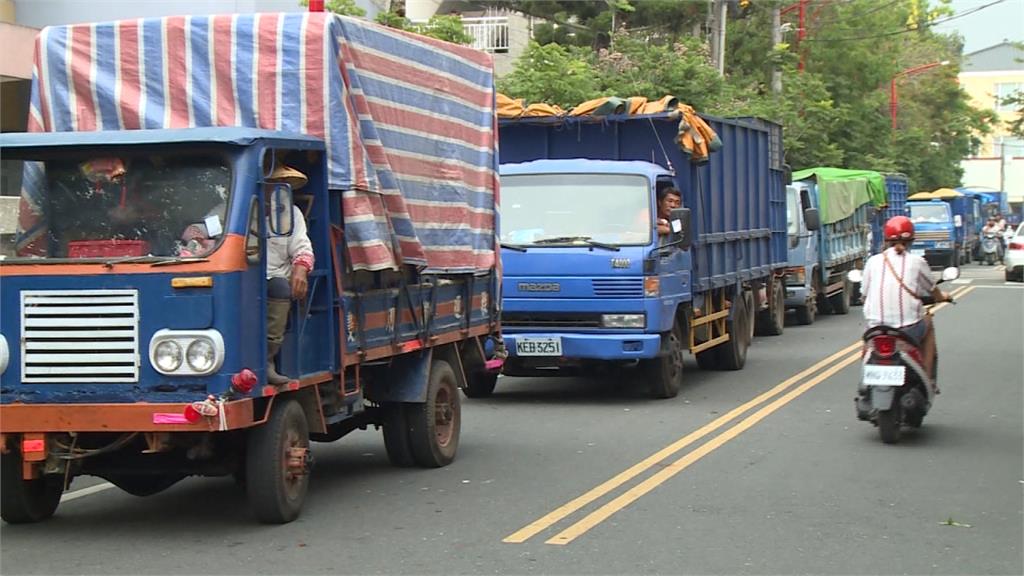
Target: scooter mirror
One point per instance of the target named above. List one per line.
(855, 276)
(951, 273)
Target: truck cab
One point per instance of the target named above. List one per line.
(586, 275)
(934, 232)
(802, 221)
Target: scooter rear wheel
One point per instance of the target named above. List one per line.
(889, 424)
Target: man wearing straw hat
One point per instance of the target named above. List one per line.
(289, 261)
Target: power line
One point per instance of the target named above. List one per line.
(904, 30)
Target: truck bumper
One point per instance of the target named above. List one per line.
(129, 417)
(796, 296)
(593, 346)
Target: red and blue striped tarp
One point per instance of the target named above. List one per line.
(408, 121)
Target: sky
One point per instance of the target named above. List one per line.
(989, 26)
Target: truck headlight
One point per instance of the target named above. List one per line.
(5, 354)
(201, 355)
(623, 320)
(186, 352)
(167, 357)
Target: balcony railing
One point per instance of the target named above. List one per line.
(490, 33)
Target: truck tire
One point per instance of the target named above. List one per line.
(771, 322)
(396, 434)
(434, 425)
(26, 501)
(275, 486)
(665, 373)
(480, 384)
(144, 484)
(733, 354)
(840, 303)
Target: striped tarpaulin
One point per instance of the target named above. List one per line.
(408, 121)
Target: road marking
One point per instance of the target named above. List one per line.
(546, 521)
(634, 493)
(68, 496)
(845, 358)
(963, 281)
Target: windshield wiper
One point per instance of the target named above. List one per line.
(128, 260)
(515, 247)
(185, 260)
(574, 239)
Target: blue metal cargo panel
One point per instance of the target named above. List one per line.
(737, 197)
(896, 191)
(845, 240)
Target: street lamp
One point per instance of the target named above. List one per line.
(893, 101)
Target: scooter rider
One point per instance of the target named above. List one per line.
(893, 284)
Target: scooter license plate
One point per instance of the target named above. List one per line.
(539, 346)
(875, 375)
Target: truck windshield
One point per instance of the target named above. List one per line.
(792, 211)
(554, 209)
(929, 213)
(82, 205)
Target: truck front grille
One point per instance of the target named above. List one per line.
(80, 336)
(929, 236)
(549, 320)
(618, 287)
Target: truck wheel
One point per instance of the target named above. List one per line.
(840, 303)
(144, 484)
(277, 464)
(665, 373)
(434, 425)
(733, 354)
(771, 322)
(480, 384)
(396, 434)
(748, 303)
(25, 501)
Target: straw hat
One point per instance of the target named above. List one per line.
(288, 175)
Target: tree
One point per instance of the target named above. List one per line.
(343, 7)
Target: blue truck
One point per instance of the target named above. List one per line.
(589, 283)
(947, 226)
(830, 215)
(128, 354)
(896, 192)
(992, 201)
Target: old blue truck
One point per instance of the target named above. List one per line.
(947, 226)
(841, 205)
(130, 354)
(590, 284)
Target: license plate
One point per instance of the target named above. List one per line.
(918, 253)
(539, 346)
(875, 375)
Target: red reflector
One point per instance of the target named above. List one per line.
(244, 381)
(884, 345)
(191, 414)
(32, 446)
(1016, 246)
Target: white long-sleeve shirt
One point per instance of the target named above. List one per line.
(885, 301)
(283, 252)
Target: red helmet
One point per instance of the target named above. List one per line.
(899, 228)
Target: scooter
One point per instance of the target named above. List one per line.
(894, 388)
(990, 248)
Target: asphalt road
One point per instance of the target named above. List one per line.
(763, 471)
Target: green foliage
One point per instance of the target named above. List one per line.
(552, 73)
(343, 7)
(448, 28)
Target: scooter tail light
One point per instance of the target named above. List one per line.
(884, 345)
(1016, 246)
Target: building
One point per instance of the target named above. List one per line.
(988, 76)
(503, 33)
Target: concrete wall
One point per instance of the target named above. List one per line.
(985, 172)
(981, 86)
(520, 30)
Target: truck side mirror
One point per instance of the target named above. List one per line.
(812, 219)
(682, 227)
(281, 223)
(787, 174)
(958, 221)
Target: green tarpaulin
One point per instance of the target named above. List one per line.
(842, 191)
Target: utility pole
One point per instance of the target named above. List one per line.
(718, 18)
(776, 40)
(1002, 163)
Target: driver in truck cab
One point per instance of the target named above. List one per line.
(669, 199)
(894, 283)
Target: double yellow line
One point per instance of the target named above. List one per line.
(827, 367)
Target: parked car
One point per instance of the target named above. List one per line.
(1014, 257)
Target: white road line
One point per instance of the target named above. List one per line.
(85, 491)
(963, 281)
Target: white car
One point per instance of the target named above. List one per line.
(1014, 257)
